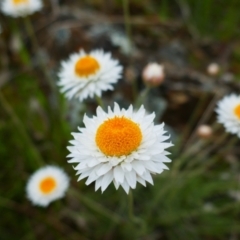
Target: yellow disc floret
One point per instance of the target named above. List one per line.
(118, 136)
(86, 66)
(19, 1)
(237, 111)
(47, 185)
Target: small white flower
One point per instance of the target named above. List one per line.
(121, 146)
(85, 75)
(20, 8)
(228, 110)
(46, 185)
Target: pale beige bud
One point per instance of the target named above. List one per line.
(213, 69)
(153, 74)
(204, 131)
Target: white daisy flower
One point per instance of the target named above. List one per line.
(20, 8)
(46, 185)
(228, 110)
(85, 75)
(121, 146)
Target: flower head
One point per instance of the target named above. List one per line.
(85, 75)
(121, 146)
(20, 8)
(228, 110)
(153, 74)
(46, 185)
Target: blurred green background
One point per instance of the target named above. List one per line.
(198, 198)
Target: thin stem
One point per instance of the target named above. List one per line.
(130, 206)
(127, 23)
(99, 101)
(190, 123)
(142, 97)
(134, 89)
(202, 154)
(186, 14)
(31, 33)
(96, 207)
(199, 144)
(138, 224)
(22, 131)
(203, 119)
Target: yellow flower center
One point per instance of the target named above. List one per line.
(118, 136)
(237, 111)
(86, 66)
(47, 185)
(16, 2)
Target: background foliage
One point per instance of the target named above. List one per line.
(199, 197)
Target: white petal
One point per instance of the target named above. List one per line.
(125, 186)
(117, 110)
(84, 175)
(100, 111)
(138, 167)
(140, 180)
(118, 174)
(131, 179)
(92, 177)
(93, 163)
(147, 177)
(98, 183)
(104, 169)
(116, 184)
(126, 166)
(81, 165)
(151, 166)
(107, 179)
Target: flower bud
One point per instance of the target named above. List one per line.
(153, 74)
(213, 69)
(204, 131)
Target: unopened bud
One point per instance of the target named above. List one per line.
(213, 69)
(204, 131)
(153, 74)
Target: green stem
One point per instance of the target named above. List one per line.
(22, 131)
(190, 124)
(199, 145)
(127, 23)
(138, 224)
(31, 33)
(130, 206)
(32, 36)
(203, 153)
(96, 207)
(142, 97)
(99, 101)
(134, 89)
(203, 119)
